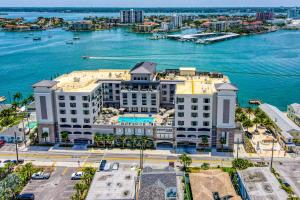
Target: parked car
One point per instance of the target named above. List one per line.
(6, 161)
(107, 167)
(40, 175)
(76, 175)
(26, 196)
(115, 166)
(20, 161)
(2, 142)
(268, 132)
(102, 165)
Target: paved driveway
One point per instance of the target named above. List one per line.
(58, 187)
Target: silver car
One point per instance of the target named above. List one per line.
(40, 175)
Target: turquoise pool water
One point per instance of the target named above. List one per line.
(136, 119)
(32, 125)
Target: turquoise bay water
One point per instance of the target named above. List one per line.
(265, 66)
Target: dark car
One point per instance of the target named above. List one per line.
(20, 161)
(6, 161)
(26, 196)
(2, 142)
(102, 165)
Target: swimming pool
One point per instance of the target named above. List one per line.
(136, 119)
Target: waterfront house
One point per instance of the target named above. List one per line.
(293, 112)
(175, 107)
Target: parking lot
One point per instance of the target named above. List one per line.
(58, 187)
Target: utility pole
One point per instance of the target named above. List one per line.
(16, 142)
(24, 135)
(271, 165)
(237, 149)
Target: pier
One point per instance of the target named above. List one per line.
(217, 38)
(203, 38)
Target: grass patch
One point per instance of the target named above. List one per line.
(248, 145)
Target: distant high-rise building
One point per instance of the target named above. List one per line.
(294, 13)
(176, 21)
(264, 16)
(131, 16)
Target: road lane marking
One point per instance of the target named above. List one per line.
(65, 171)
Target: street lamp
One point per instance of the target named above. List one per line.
(16, 142)
(271, 165)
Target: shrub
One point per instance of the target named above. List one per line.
(241, 164)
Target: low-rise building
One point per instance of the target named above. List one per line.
(146, 27)
(259, 183)
(7, 134)
(208, 184)
(288, 130)
(293, 112)
(221, 26)
(177, 107)
(158, 184)
(84, 25)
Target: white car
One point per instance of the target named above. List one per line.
(115, 166)
(107, 167)
(77, 175)
(40, 175)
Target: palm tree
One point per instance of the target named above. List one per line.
(257, 111)
(204, 140)
(185, 160)
(268, 123)
(247, 123)
(222, 141)
(249, 111)
(123, 139)
(239, 110)
(110, 139)
(256, 121)
(133, 139)
(88, 175)
(80, 190)
(64, 136)
(30, 98)
(17, 96)
(45, 134)
(242, 117)
(144, 141)
(98, 139)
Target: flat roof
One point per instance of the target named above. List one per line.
(87, 80)
(199, 85)
(280, 119)
(260, 183)
(204, 183)
(113, 185)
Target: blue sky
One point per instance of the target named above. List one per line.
(147, 3)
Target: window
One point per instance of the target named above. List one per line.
(62, 112)
(125, 102)
(73, 112)
(62, 105)
(144, 96)
(86, 120)
(205, 123)
(180, 100)
(72, 105)
(164, 92)
(153, 102)
(164, 99)
(180, 123)
(117, 85)
(117, 91)
(144, 102)
(63, 120)
(164, 86)
(84, 98)
(134, 95)
(180, 107)
(124, 95)
(194, 100)
(86, 112)
(206, 107)
(180, 114)
(194, 123)
(134, 102)
(74, 120)
(85, 105)
(206, 115)
(194, 107)
(206, 100)
(72, 98)
(60, 97)
(194, 114)
(153, 96)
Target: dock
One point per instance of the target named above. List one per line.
(203, 38)
(218, 38)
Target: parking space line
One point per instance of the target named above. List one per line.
(65, 171)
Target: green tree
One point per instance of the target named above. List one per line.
(17, 96)
(247, 124)
(268, 123)
(123, 139)
(222, 142)
(249, 111)
(205, 166)
(241, 164)
(110, 139)
(89, 173)
(133, 140)
(98, 139)
(204, 140)
(45, 134)
(256, 121)
(9, 187)
(64, 136)
(185, 160)
(80, 189)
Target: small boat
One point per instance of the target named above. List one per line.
(85, 57)
(76, 38)
(255, 101)
(26, 36)
(69, 42)
(36, 38)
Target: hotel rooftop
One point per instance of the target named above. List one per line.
(87, 80)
